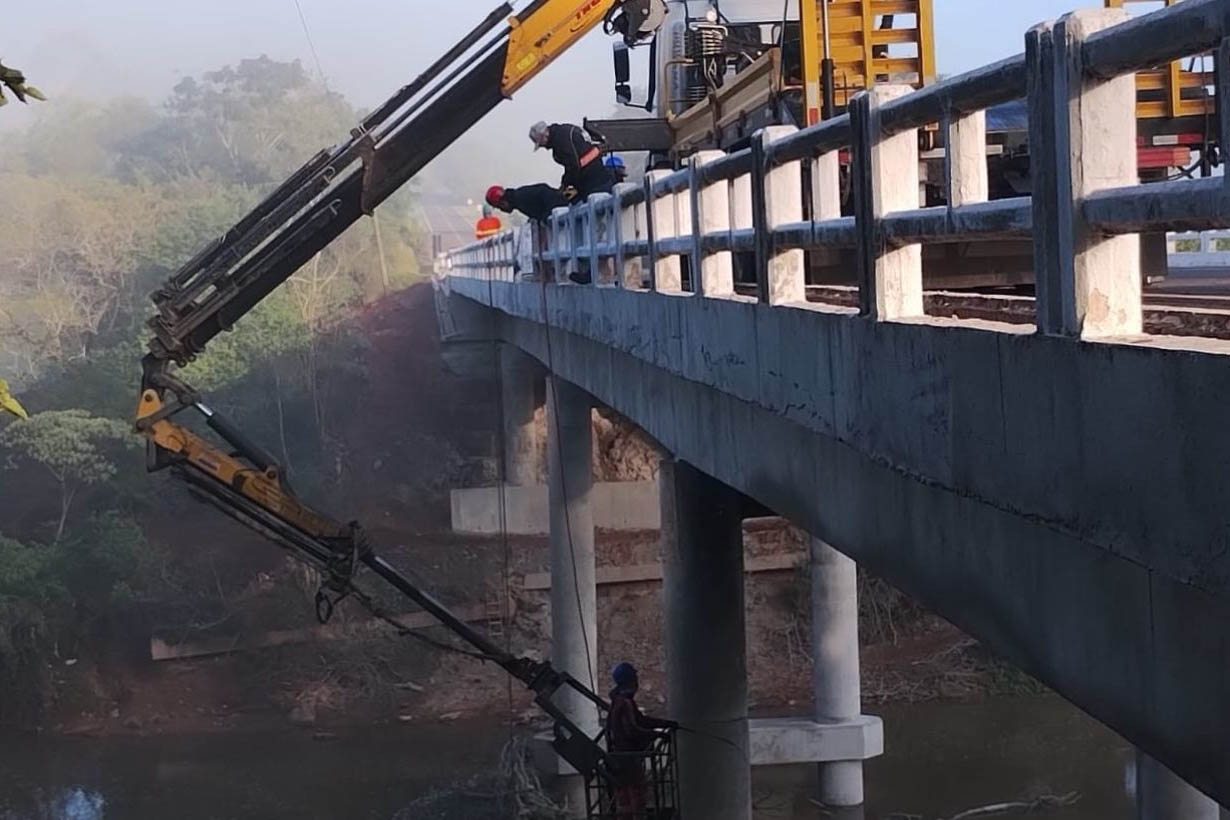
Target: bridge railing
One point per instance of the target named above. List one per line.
(1085, 208)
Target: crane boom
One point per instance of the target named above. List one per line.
(330, 192)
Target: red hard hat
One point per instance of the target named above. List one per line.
(494, 194)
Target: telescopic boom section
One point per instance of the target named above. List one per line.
(339, 185)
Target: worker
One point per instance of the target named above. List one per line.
(535, 201)
(615, 164)
(581, 159)
(629, 736)
(15, 81)
(488, 224)
(9, 404)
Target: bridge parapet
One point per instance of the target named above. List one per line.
(1082, 216)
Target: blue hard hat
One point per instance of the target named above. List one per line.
(614, 161)
(623, 674)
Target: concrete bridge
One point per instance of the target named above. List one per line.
(1056, 489)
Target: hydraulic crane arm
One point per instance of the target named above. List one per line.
(337, 186)
(316, 204)
(248, 487)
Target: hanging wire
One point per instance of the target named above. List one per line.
(311, 45)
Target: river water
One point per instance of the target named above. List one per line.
(940, 759)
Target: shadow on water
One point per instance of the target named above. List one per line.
(941, 759)
(369, 775)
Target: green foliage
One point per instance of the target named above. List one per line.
(102, 201)
(97, 560)
(24, 572)
(71, 444)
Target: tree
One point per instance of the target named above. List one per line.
(73, 446)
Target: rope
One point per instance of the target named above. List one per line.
(311, 45)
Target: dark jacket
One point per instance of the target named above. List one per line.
(535, 201)
(570, 147)
(628, 729)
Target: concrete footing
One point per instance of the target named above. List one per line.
(706, 652)
(1163, 795)
(574, 611)
(617, 505)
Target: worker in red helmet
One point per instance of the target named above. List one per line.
(535, 201)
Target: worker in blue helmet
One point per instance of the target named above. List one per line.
(629, 736)
(615, 164)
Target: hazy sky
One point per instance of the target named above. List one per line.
(368, 48)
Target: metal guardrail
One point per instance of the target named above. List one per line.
(1087, 202)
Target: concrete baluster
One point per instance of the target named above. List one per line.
(965, 159)
(783, 279)
(599, 206)
(741, 217)
(826, 186)
(713, 273)
(1082, 135)
(627, 227)
(884, 178)
(665, 272)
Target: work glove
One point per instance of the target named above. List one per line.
(10, 404)
(16, 82)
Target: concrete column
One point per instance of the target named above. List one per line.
(885, 179)
(837, 697)
(520, 375)
(574, 611)
(706, 658)
(1163, 795)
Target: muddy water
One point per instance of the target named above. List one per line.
(941, 759)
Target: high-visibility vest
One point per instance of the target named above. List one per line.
(487, 226)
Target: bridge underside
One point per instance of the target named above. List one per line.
(1059, 500)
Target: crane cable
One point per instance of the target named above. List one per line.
(559, 454)
(312, 45)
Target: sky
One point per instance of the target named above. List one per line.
(368, 48)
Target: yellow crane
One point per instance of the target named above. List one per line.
(236, 271)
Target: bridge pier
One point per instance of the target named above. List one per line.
(520, 375)
(837, 694)
(574, 609)
(1163, 795)
(706, 645)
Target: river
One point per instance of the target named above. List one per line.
(940, 759)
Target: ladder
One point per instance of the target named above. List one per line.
(869, 42)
